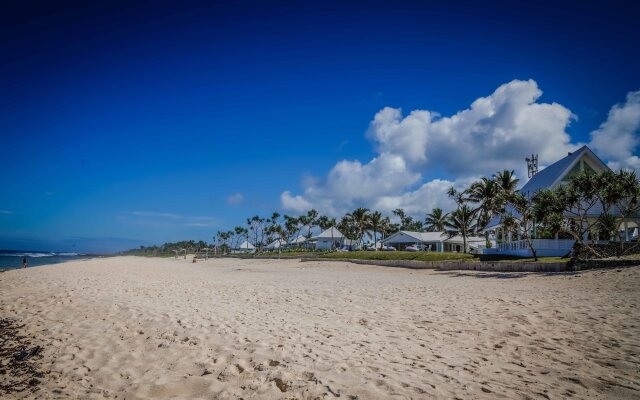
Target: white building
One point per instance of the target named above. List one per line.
(550, 177)
(329, 239)
(434, 241)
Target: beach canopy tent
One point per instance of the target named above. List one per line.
(299, 240)
(276, 244)
(245, 247)
(181, 252)
(328, 239)
(204, 252)
(433, 241)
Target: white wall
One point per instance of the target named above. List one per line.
(325, 243)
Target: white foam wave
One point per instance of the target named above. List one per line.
(38, 255)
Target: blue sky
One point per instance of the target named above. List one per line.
(126, 124)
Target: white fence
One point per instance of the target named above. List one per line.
(538, 244)
(543, 247)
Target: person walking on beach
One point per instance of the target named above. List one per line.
(24, 262)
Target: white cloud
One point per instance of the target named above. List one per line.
(495, 132)
(200, 224)
(163, 219)
(235, 198)
(422, 200)
(156, 214)
(6, 212)
(618, 138)
(294, 203)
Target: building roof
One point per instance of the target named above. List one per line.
(552, 175)
(421, 237)
(299, 239)
(416, 236)
(470, 239)
(329, 233)
(246, 245)
(276, 244)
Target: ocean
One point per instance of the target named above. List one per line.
(10, 259)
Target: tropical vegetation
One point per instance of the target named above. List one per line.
(566, 211)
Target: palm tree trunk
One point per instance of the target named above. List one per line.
(375, 241)
(331, 247)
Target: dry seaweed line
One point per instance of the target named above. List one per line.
(19, 360)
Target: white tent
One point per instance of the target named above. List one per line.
(246, 247)
(299, 240)
(276, 244)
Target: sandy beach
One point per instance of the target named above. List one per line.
(133, 328)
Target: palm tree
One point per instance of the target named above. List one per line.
(506, 180)
(359, 218)
(406, 221)
(291, 225)
(487, 195)
(435, 220)
(312, 216)
(385, 226)
(347, 227)
(239, 232)
(375, 220)
(457, 196)
(460, 223)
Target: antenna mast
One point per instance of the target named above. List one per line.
(532, 165)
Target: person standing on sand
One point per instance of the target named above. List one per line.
(24, 262)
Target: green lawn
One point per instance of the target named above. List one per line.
(398, 255)
(288, 254)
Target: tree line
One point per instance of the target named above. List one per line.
(566, 211)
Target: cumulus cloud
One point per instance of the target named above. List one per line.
(294, 203)
(618, 138)
(235, 198)
(495, 132)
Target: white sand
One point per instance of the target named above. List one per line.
(159, 328)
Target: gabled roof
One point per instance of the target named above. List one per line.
(432, 237)
(299, 239)
(246, 245)
(470, 239)
(276, 244)
(329, 233)
(553, 174)
(418, 236)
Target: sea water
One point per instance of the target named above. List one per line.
(10, 259)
